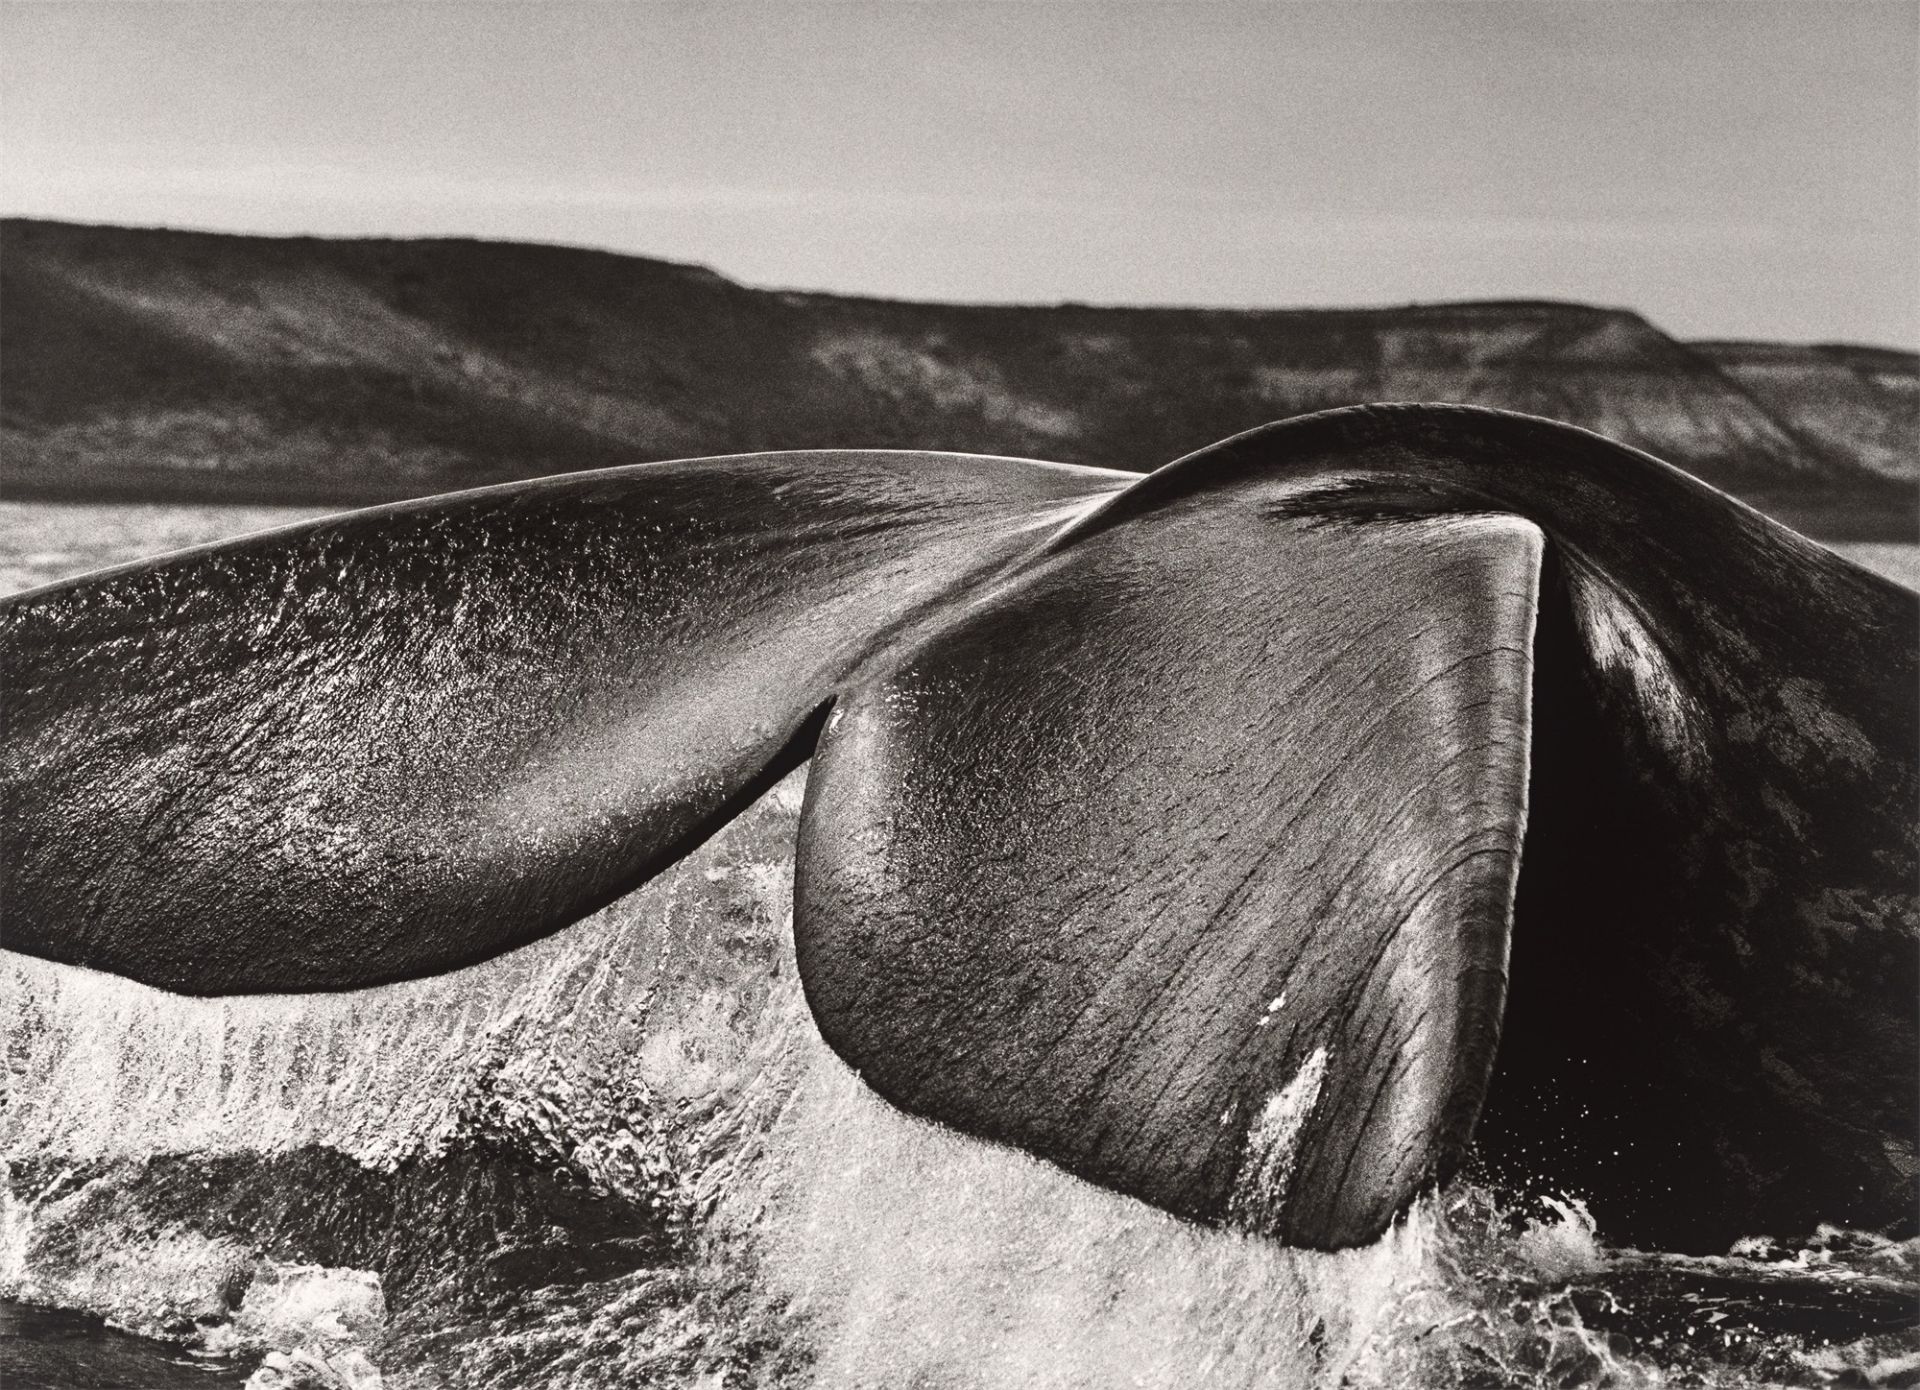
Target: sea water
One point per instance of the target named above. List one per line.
(623, 1156)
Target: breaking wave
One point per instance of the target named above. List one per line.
(623, 1156)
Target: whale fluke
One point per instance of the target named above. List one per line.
(402, 740)
(1187, 860)
(1264, 837)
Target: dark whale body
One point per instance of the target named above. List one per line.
(1257, 838)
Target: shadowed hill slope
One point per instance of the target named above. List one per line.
(146, 363)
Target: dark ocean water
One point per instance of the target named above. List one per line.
(50, 1347)
(622, 1156)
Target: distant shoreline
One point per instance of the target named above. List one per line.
(154, 366)
(1884, 516)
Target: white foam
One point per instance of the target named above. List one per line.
(1273, 1144)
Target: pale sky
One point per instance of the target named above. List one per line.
(1730, 168)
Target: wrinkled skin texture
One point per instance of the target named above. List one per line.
(1248, 839)
(1131, 783)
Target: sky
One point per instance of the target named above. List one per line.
(1729, 168)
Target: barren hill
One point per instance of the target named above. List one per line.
(146, 363)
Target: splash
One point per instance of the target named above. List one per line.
(1566, 1244)
(623, 1155)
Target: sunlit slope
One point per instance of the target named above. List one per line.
(166, 364)
(1856, 404)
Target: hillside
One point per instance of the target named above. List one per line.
(144, 363)
(1853, 402)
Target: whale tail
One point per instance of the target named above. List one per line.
(1247, 838)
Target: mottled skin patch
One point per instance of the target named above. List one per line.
(1629, 656)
